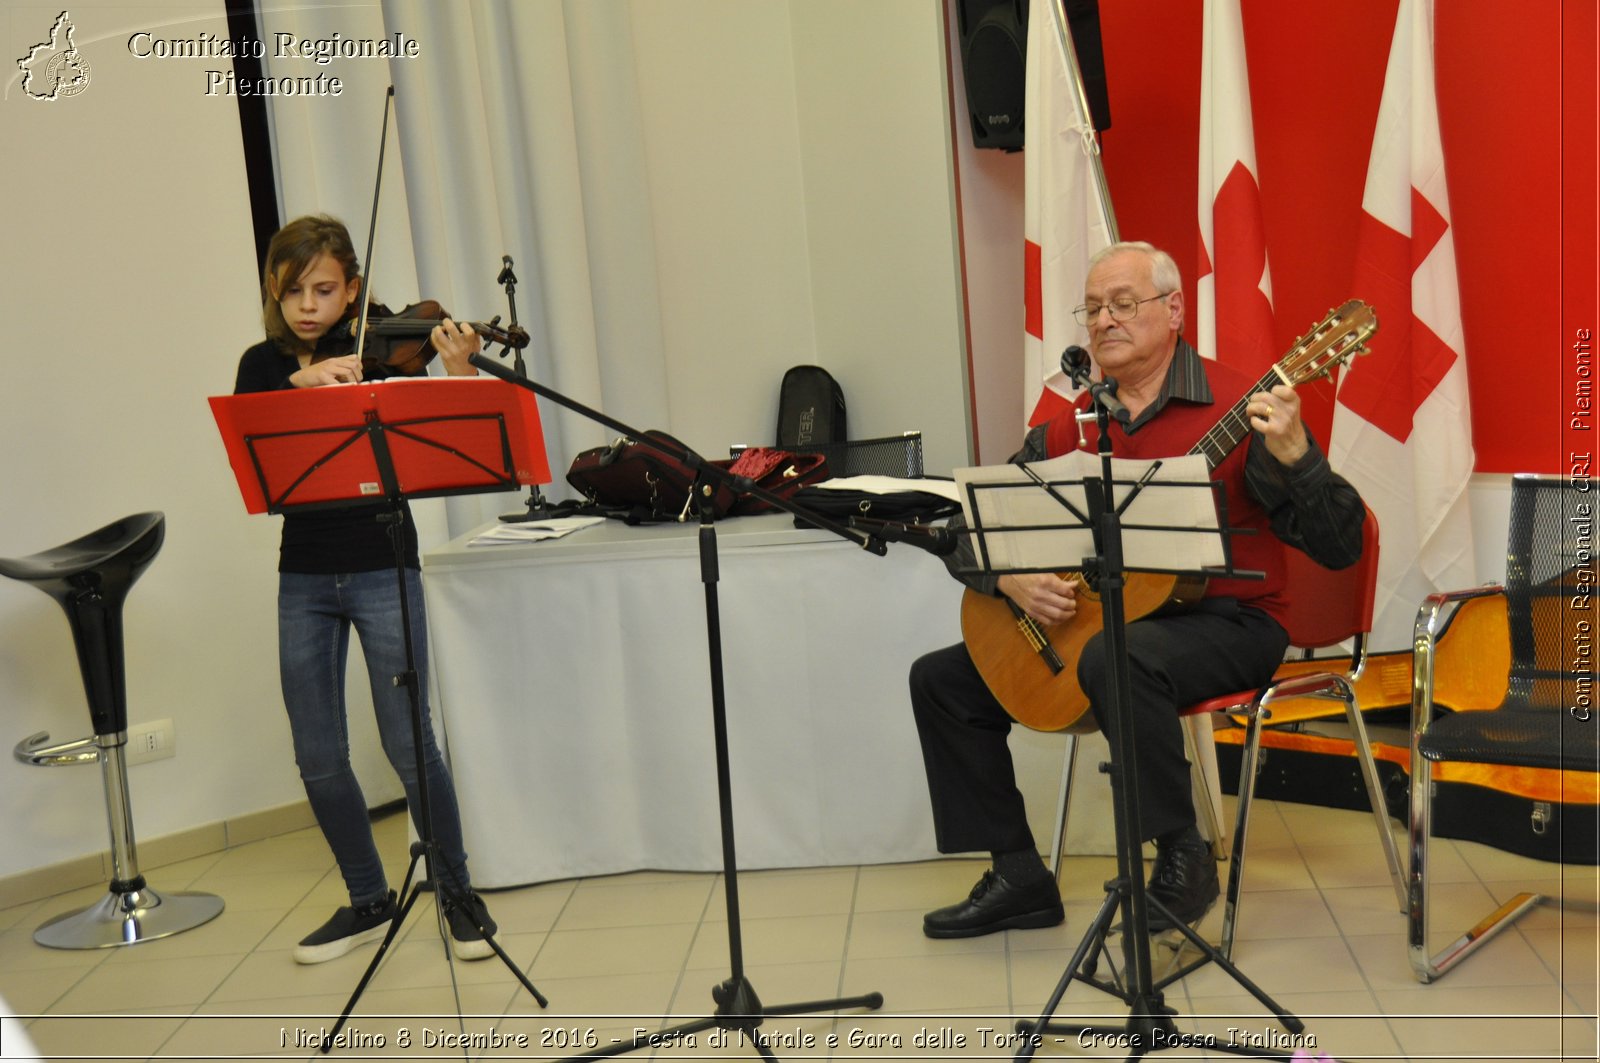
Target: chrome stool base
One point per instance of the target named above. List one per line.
(127, 918)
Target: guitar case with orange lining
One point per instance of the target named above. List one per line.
(1540, 813)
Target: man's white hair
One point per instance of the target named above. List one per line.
(1163, 271)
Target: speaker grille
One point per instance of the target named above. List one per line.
(994, 61)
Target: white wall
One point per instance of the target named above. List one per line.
(130, 291)
(798, 158)
(799, 171)
(873, 94)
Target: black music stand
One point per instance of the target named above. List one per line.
(386, 442)
(738, 1007)
(1091, 508)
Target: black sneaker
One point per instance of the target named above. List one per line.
(348, 928)
(466, 940)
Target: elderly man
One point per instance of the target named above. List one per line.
(1279, 483)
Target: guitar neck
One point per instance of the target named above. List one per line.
(1227, 433)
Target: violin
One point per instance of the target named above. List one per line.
(399, 343)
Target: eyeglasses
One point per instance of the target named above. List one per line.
(1122, 308)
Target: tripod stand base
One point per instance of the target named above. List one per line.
(1144, 1034)
(410, 890)
(524, 517)
(1149, 1027)
(127, 918)
(538, 509)
(740, 1013)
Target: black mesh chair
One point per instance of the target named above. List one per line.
(1547, 719)
(89, 578)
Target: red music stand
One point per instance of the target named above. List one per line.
(428, 437)
(386, 442)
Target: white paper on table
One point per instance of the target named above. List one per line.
(533, 531)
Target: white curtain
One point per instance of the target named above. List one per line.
(516, 132)
(697, 194)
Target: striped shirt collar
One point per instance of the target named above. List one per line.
(1186, 381)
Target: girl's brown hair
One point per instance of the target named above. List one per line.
(293, 248)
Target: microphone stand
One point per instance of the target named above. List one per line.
(738, 1008)
(1149, 1026)
(538, 507)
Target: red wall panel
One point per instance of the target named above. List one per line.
(1511, 102)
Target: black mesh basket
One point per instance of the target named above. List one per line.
(899, 455)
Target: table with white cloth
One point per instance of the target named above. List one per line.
(573, 685)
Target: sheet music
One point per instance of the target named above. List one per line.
(533, 531)
(883, 485)
(1018, 523)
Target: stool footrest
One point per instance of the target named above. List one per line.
(37, 750)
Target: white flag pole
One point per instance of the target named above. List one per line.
(1080, 96)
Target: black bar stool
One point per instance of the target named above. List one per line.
(90, 578)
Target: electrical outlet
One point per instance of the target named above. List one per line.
(156, 740)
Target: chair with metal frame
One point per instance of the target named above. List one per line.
(1546, 720)
(1327, 608)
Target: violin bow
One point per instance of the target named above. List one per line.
(372, 228)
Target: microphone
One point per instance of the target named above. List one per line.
(495, 369)
(1075, 363)
(936, 541)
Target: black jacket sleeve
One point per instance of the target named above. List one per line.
(1312, 508)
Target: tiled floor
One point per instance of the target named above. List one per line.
(1319, 933)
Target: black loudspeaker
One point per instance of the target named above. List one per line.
(994, 48)
(1083, 20)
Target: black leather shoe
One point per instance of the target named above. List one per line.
(995, 904)
(1184, 880)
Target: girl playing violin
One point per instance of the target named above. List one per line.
(337, 570)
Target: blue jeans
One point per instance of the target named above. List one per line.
(315, 614)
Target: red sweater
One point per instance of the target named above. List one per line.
(1175, 431)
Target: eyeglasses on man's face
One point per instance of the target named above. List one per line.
(1122, 308)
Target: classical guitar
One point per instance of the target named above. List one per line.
(1031, 668)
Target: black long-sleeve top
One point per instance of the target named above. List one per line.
(353, 538)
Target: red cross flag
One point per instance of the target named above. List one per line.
(1065, 219)
(1233, 286)
(1402, 429)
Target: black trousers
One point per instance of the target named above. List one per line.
(1173, 661)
